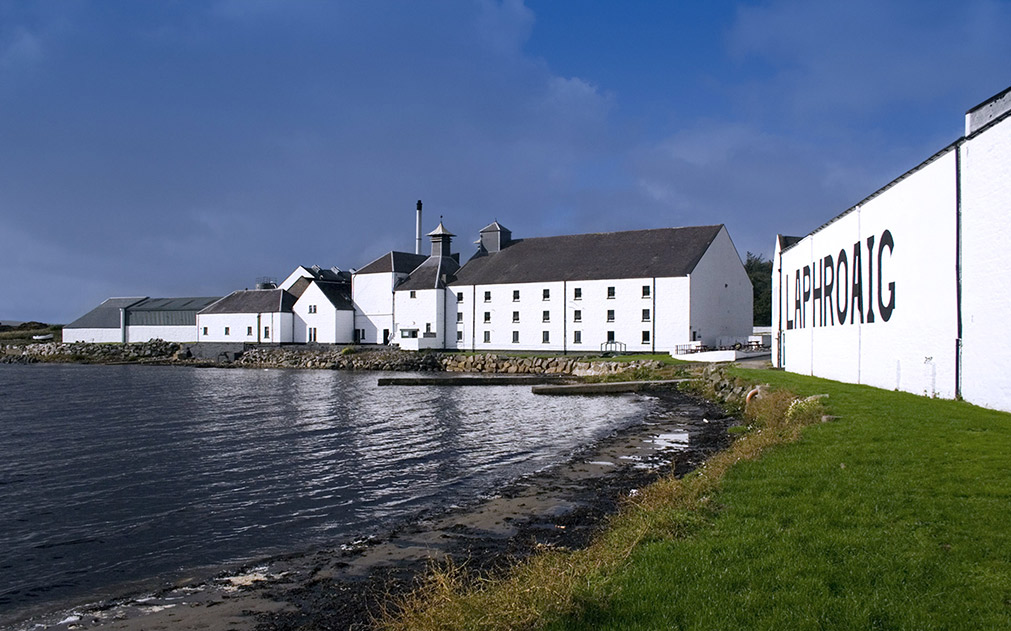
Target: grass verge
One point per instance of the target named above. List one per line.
(558, 583)
(892, 517)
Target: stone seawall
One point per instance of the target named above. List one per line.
(348, 358)
(504, 364)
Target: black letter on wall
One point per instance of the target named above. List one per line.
(885, 310)
(842, 286)
(857, 306)
(827, 281)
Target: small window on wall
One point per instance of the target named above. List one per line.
(577, 316)
(266, 332)
(610, 315)
(227, 330)
(205, 330)
(516, 295)
(516, 337)
(645, 337)
(645, 315)
(414, 294)
(459, 316)
(577, 337)
(545, 337)
(249, 330)
(516, 316)
(487, 296)
(487, 337)
(312, 308)
(546, 317)
(487, 316)
(546, 295)
(610, 293)
(645, 291)
(577, 294)
(459, 296)
(459, 336)
(428, 327)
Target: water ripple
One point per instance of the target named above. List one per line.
(111, 474)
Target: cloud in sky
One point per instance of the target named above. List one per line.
(188, 148)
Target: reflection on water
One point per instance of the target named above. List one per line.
(117, 473)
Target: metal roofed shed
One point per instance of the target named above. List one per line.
(139, 319)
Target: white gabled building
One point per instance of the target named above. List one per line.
(323, 313)
(372, 293)
(251, 316)
(908, 289)
(643, 290)
(423, 313)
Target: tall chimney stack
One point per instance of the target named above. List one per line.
(417, 242)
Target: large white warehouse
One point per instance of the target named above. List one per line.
(908, 289)
(641, 290)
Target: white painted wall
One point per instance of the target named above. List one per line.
(721, 295)
(912, 348)
(667, 300)
(986, 261)
(424, 313)
(138, 333)
(280, 327)
(97, 336)
(373, 298)
(300, 272)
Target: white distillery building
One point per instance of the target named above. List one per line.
(643, 290)
(907, 290)
(139, 319)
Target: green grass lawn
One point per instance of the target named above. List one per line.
(897, 515)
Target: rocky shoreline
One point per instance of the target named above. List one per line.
(160, 352)
(349, 586)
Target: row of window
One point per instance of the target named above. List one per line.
(577, 337)
(249, 332)
(577, 294)
(577, 316)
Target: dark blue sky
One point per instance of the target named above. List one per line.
(187, 148)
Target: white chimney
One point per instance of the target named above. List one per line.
(417, 242)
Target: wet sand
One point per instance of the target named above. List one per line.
(348, 586)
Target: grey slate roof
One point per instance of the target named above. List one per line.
(298, 287)
(167, 311)
(663, 252)
(786, 241)
(253, 301)
(402, 262)
(339, 295)
(105, 315)
(434, 273)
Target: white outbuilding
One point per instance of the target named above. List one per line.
(907, 289)
(251, 316)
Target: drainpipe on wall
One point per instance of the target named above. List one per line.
(958, 271)
(653, 324)
(565, 318)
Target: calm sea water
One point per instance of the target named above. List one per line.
(114, 474)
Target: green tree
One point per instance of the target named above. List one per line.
(759, 271)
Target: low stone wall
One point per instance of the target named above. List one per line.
(504, 364)
(87, 352)
(341, 359)
(350, 358)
